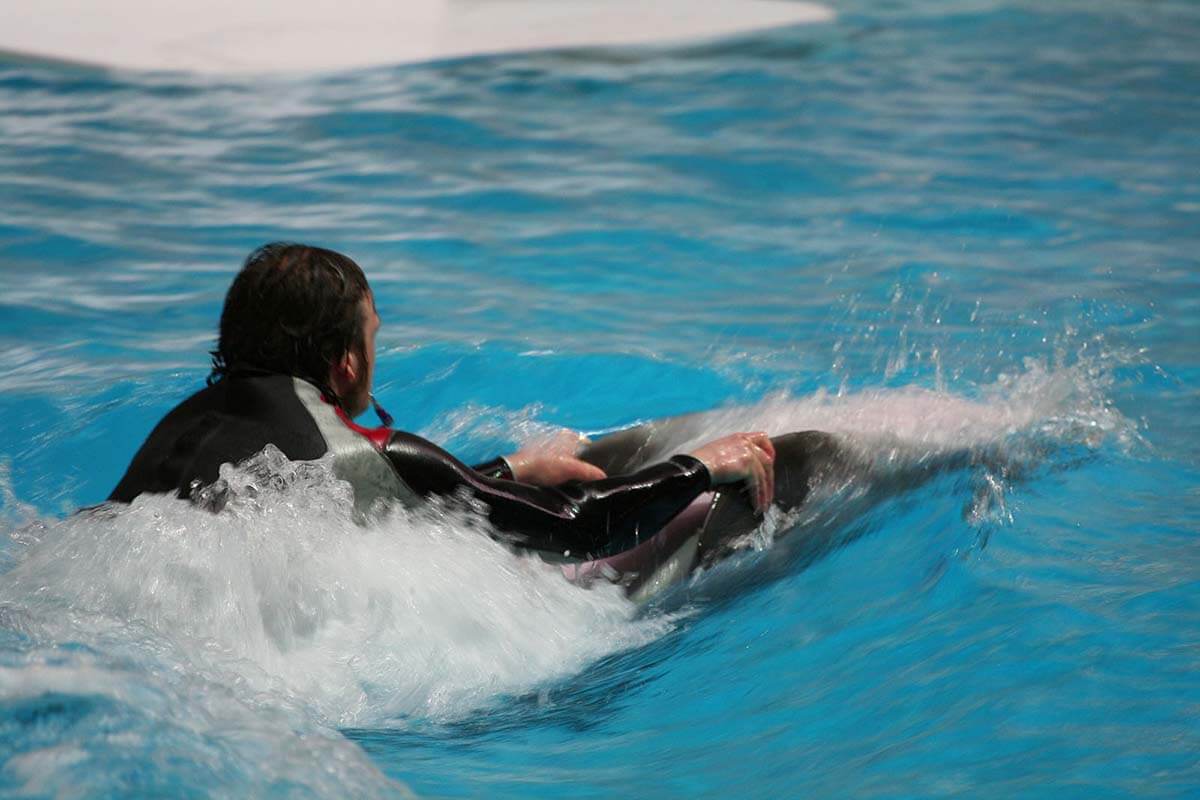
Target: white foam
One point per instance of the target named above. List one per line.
(415, 614)
(262, 36)
(267, 627)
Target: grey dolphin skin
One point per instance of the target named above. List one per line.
(707, 531)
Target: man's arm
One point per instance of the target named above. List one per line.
(584, 520)
(547, 461)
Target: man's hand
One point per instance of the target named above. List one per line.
(552, 461)
(748, 457)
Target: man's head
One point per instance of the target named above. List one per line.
(302, 311)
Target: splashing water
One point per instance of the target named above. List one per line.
(282, 614)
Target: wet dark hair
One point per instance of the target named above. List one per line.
(293, 309)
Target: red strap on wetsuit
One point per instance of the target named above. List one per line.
(378, 437)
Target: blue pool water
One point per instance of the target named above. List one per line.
(961, 235)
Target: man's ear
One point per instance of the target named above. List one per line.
(344, 372)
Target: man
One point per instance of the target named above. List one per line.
(293, 367)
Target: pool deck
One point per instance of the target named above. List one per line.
(275, 36)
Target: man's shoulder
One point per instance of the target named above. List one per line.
(224, 422)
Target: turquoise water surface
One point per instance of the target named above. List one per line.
(962, 235)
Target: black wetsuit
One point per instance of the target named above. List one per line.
(239, 415)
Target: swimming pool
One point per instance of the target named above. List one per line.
(962, 232)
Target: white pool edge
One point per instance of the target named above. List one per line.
(274, 37)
